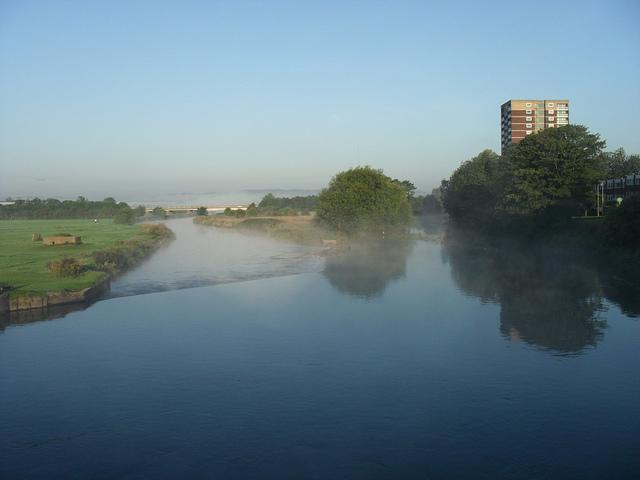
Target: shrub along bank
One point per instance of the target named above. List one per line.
(302, 229)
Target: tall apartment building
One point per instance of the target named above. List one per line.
(520, 118)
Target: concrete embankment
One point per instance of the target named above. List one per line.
(50, 299)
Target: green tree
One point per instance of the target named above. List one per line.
(409, 187)
(475, 188)
(620, 164)
(252, 210)
(202, 211)
(364, 199)
(556, 168)
(269, 200)
(140, 211)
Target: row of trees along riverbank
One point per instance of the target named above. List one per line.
(540, 185)
(52, 208)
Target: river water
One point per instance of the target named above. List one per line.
(231, 356)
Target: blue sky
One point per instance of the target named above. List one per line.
(148, 97)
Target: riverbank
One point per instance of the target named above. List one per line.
(300, 229)
(106, 250)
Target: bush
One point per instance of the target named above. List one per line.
(364, 199)
(157, 230)
(65, 267)
(202, 211)
(120, 257)
(129, 253)
(622, 226)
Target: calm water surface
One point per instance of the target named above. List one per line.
(421, 360)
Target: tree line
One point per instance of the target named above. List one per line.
(52, 208)
(37, 208)
(540, 182)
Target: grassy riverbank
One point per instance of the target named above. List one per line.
(302, 229)
(23, 262)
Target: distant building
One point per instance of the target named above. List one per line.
(614, 188)
(520, 118)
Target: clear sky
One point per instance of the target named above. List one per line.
(146, 97)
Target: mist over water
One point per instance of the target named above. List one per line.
(202, 255)
(421, 358)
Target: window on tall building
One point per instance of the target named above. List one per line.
(528, 119)
(551, 112)
(551, 119)
(550, 104)
(528, 111)
(529, 132)
(529, 125)
(528, 105)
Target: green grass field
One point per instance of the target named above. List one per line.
(23, 263)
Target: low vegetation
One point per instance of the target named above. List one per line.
(303, 204)
(300, 229)
(65, 267)
(29, 267)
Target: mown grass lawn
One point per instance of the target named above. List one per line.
(23, 263)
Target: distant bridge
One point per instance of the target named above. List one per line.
(210, 209)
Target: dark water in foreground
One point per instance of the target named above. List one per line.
(417, 361)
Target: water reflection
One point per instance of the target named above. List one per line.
(23, 317)
(545, 301)
(620, 280)
(364, 270)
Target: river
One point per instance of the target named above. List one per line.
(233, 356)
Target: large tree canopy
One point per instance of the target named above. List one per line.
(364, 199)
(557, 167)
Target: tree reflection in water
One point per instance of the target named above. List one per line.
(620, 280)
(364, 270)
(545, 300)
